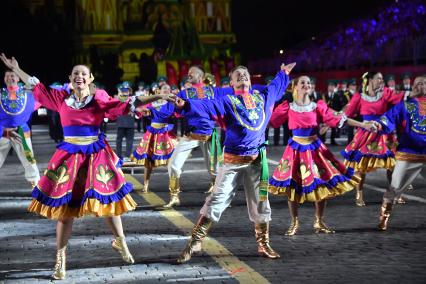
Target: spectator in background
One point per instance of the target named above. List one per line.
(125, 124)
(390, 81)
(406, 82)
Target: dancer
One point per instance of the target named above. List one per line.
(407, 118)
(308, 171)
(16, 106)
(157, 144)
(82, 177)
(244, 113)
(195, 137)
(368, 150)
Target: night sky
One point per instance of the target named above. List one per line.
(261, 27)
(264, 27)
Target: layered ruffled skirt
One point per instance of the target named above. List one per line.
(369, 151)
(82, 178)
(308, 171)
(156, 147)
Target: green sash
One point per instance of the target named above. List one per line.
(264, 175)
(215, 147)
(27, 150)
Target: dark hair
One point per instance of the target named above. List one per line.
(366, 77)
(235, 68)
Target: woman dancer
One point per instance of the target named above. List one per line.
(82, 177)
(308, 171)
(158, 142)
(368, 150)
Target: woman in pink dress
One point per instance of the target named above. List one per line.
(368, 150)
(83, 177)
(308, 171)
(157, 144)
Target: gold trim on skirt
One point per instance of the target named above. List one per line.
(90, 207)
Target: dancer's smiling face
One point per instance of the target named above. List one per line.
(195, 75)
(377, 83)
(11, 78)
(419, 85)
(303, 85)
(165, 89)
(240, 78)
(80, 77)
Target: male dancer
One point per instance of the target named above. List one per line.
(408, 119)
(245, 114)
(16, 107)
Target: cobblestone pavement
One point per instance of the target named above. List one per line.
(357, 252)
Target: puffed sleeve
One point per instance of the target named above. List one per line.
(354, 105)
(49, 98)
(393, 97)
(280, 115)
(113, 108)
(329, 116)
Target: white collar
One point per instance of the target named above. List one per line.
(307, 108)
(370, 98)
(72, 102)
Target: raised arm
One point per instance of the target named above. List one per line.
(13, 65)
(275, 90)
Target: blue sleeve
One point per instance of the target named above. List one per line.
(392, 118)
(258, 87)
(276, 89)
(182, 95)
(201, 114)
(1, 131)
(164, 113)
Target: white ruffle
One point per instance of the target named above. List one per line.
(307, 108)
(342, 121)
(370, 98)
(32, 81)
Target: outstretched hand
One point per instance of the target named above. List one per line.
(179, 102)
(371, 126)
(10, 63)
(287, 68)
(169, 97)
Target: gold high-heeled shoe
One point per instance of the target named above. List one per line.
(294, 227)
(59, 272)
(120, 245)
(359, 198)
(320, 227)
(145, 188)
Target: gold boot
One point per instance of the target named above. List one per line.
(59, 272)
(174, 189)
(359, 198)
(385, 212)
(199, 232)
(320, 227)
(119, 244)
(294, 227)
(262, 239)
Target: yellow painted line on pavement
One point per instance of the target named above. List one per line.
(235, 267)
(136, 184)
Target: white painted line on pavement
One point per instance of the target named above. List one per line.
(406, 196)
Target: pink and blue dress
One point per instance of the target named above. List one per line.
(308, 171)
(83, 177)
